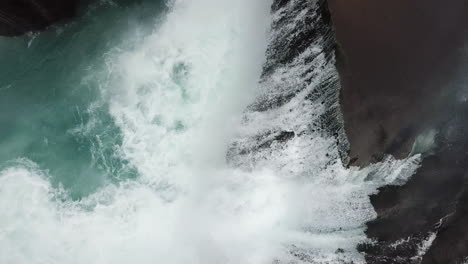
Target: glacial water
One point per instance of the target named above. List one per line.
(119, 135)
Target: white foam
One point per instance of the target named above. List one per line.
(175, 96)
(425, 246)
(178, 97)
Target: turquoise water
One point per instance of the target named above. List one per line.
(51, 110)
(126, 137)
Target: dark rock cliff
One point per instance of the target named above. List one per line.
(20, 16)
(403, 90)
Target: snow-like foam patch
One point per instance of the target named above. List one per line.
(254, 217)
(234, 223)
(175, 96)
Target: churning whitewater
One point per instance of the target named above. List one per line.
(223, 174)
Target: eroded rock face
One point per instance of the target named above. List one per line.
(402, 67)
(20, 16)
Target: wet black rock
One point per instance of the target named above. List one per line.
(398, 59)
(402, 67)
(21, 16)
